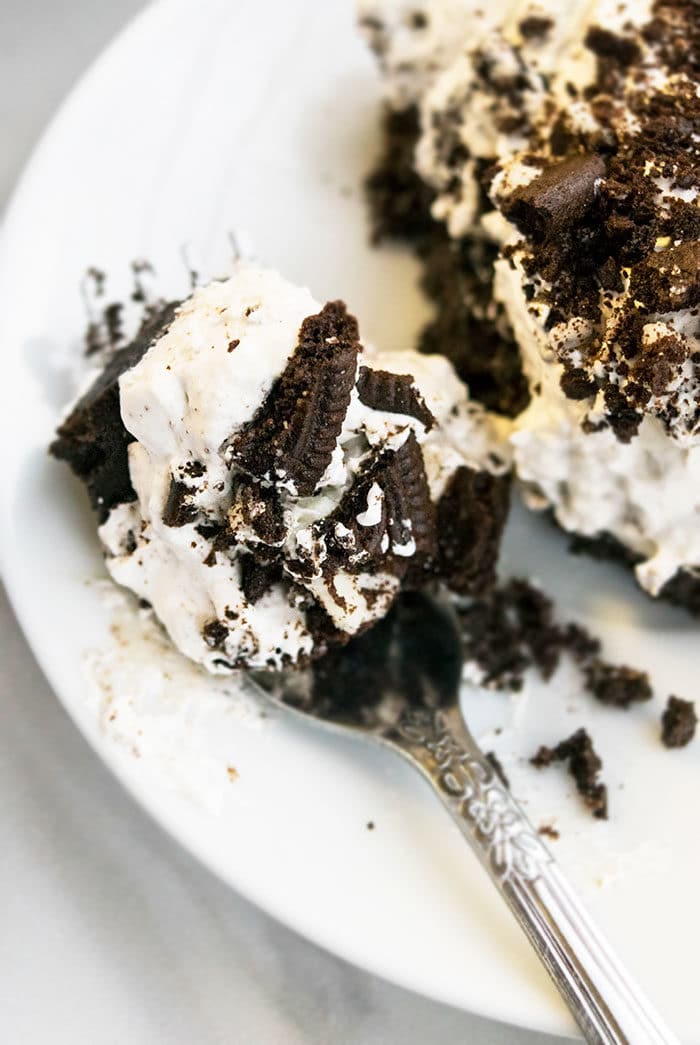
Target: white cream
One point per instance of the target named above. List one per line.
(467, 100)
(461, 111)
(372, 515)
(415, 40)
(645, 493)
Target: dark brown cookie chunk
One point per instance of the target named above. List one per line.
(668, 279)
(678, 722)
(674, 31)
(535, 27)
(471, 515)
(557, 199)
(620, 49)
(579, 643)
(510, 631)
(615, 684)
(576, 383)
(215, 634)
(514, 628)
(548, 831)
(657, 365)
(179, 508)
(394, 394)
(584, 765)
(621, 414)
(410, 515)
(259, 507)
(469, 327)
(258, 575)
(93, 439)
(394, 488)
(295, 432)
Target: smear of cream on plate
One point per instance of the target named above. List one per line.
(152, 702)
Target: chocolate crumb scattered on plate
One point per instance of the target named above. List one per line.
(548, 831)
(584, 765)
(678, 722)
(618, 685)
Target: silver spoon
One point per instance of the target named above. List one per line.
(398, 686)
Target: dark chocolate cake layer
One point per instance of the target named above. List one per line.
(469, 327)
(93, 439)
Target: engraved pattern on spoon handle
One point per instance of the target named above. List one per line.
(603, 999)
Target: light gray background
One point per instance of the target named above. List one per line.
(109, 932)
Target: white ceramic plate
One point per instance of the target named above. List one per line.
(261, 118)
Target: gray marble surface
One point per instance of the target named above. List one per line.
(110, 932)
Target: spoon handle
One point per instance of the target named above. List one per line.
(607, 1005)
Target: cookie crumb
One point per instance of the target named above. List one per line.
(514, 629)
(678, 722)
(618, 685)
(548, 831)
(584, 765)
(535, 27)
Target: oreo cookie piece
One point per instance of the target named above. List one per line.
(387, 515)
(394, 394)
(292, 438)
(618, 685)
(669, 279)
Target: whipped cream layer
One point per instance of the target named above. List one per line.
(415, 41)
(570, 140)
(288, 480)
(644, 492)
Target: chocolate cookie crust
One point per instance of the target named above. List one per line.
(93, 439)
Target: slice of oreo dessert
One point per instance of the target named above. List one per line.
(269, 484)
(545, 163)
